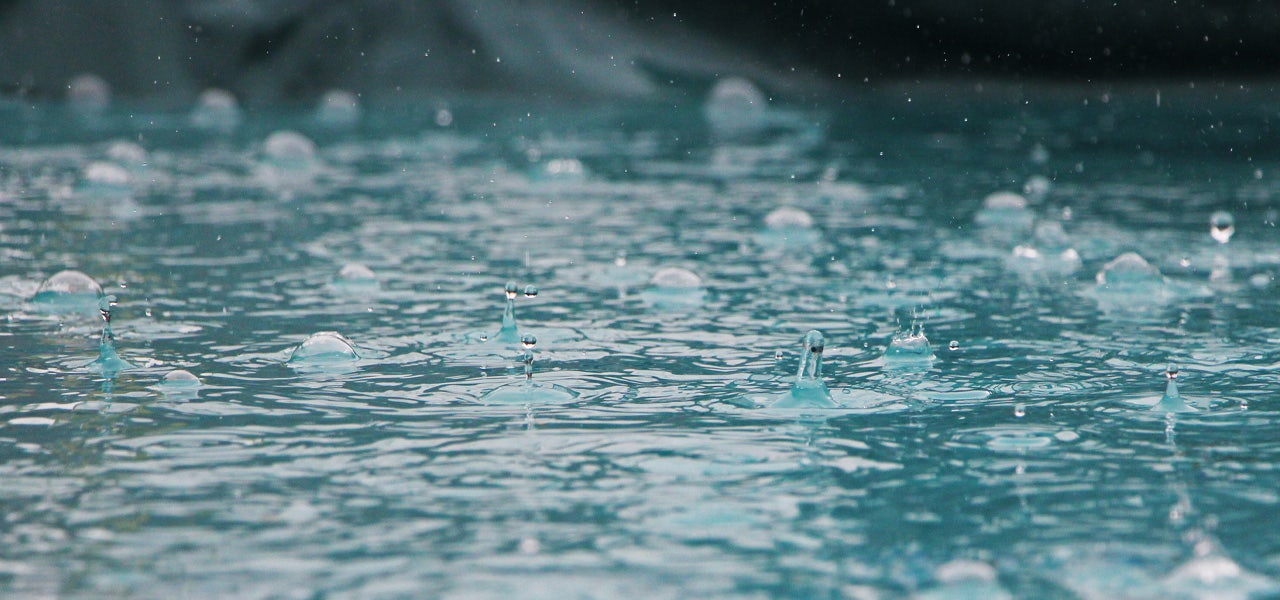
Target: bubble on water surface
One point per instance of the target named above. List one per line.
(674, 287)
(129, 155)
(325, 347)
(68, 291)
(356, 277)
(106, 177)
(788, 226)
(735, 108)
(88, 94)
(338, 109)
(1222, 226)
(289, 148)
(216, 110)
(1005, 213)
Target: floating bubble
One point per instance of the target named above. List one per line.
(787, 226)
(180, 379)
(562, 169)
(88, 94)
(289, 148)
(1005, 212)
(216, 110)
(129, 155)
(325, 347)
(338, 109)
(106, 177)
(674, 287)
(736, 108)
(68, 291)
(1129, 272)
(356, 276)
(675, 278)
(1222, 226)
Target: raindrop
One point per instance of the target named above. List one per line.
(953, 346)
(1019, 410)
(530, 291)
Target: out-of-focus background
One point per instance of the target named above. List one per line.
(270, 51)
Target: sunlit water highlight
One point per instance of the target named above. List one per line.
(1034, 445)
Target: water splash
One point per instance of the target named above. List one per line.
(909, 349)
(1005, 214)
(674, 288)
(108, 362)
(1172, 401)
(1222, 226)
(808, 390)
(529, 391)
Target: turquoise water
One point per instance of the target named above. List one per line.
(1006, 447)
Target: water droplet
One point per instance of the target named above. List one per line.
(530, 291)
(444, 117)
(528, 341)
(1019, 410)
(511, 289)
(620, 260)
(1171, 371)
(1222, 226)
(1005, 212)
(128, 154)
(953, 346)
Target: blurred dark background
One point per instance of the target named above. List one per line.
(267, 51)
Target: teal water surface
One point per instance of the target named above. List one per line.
(994, 427)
